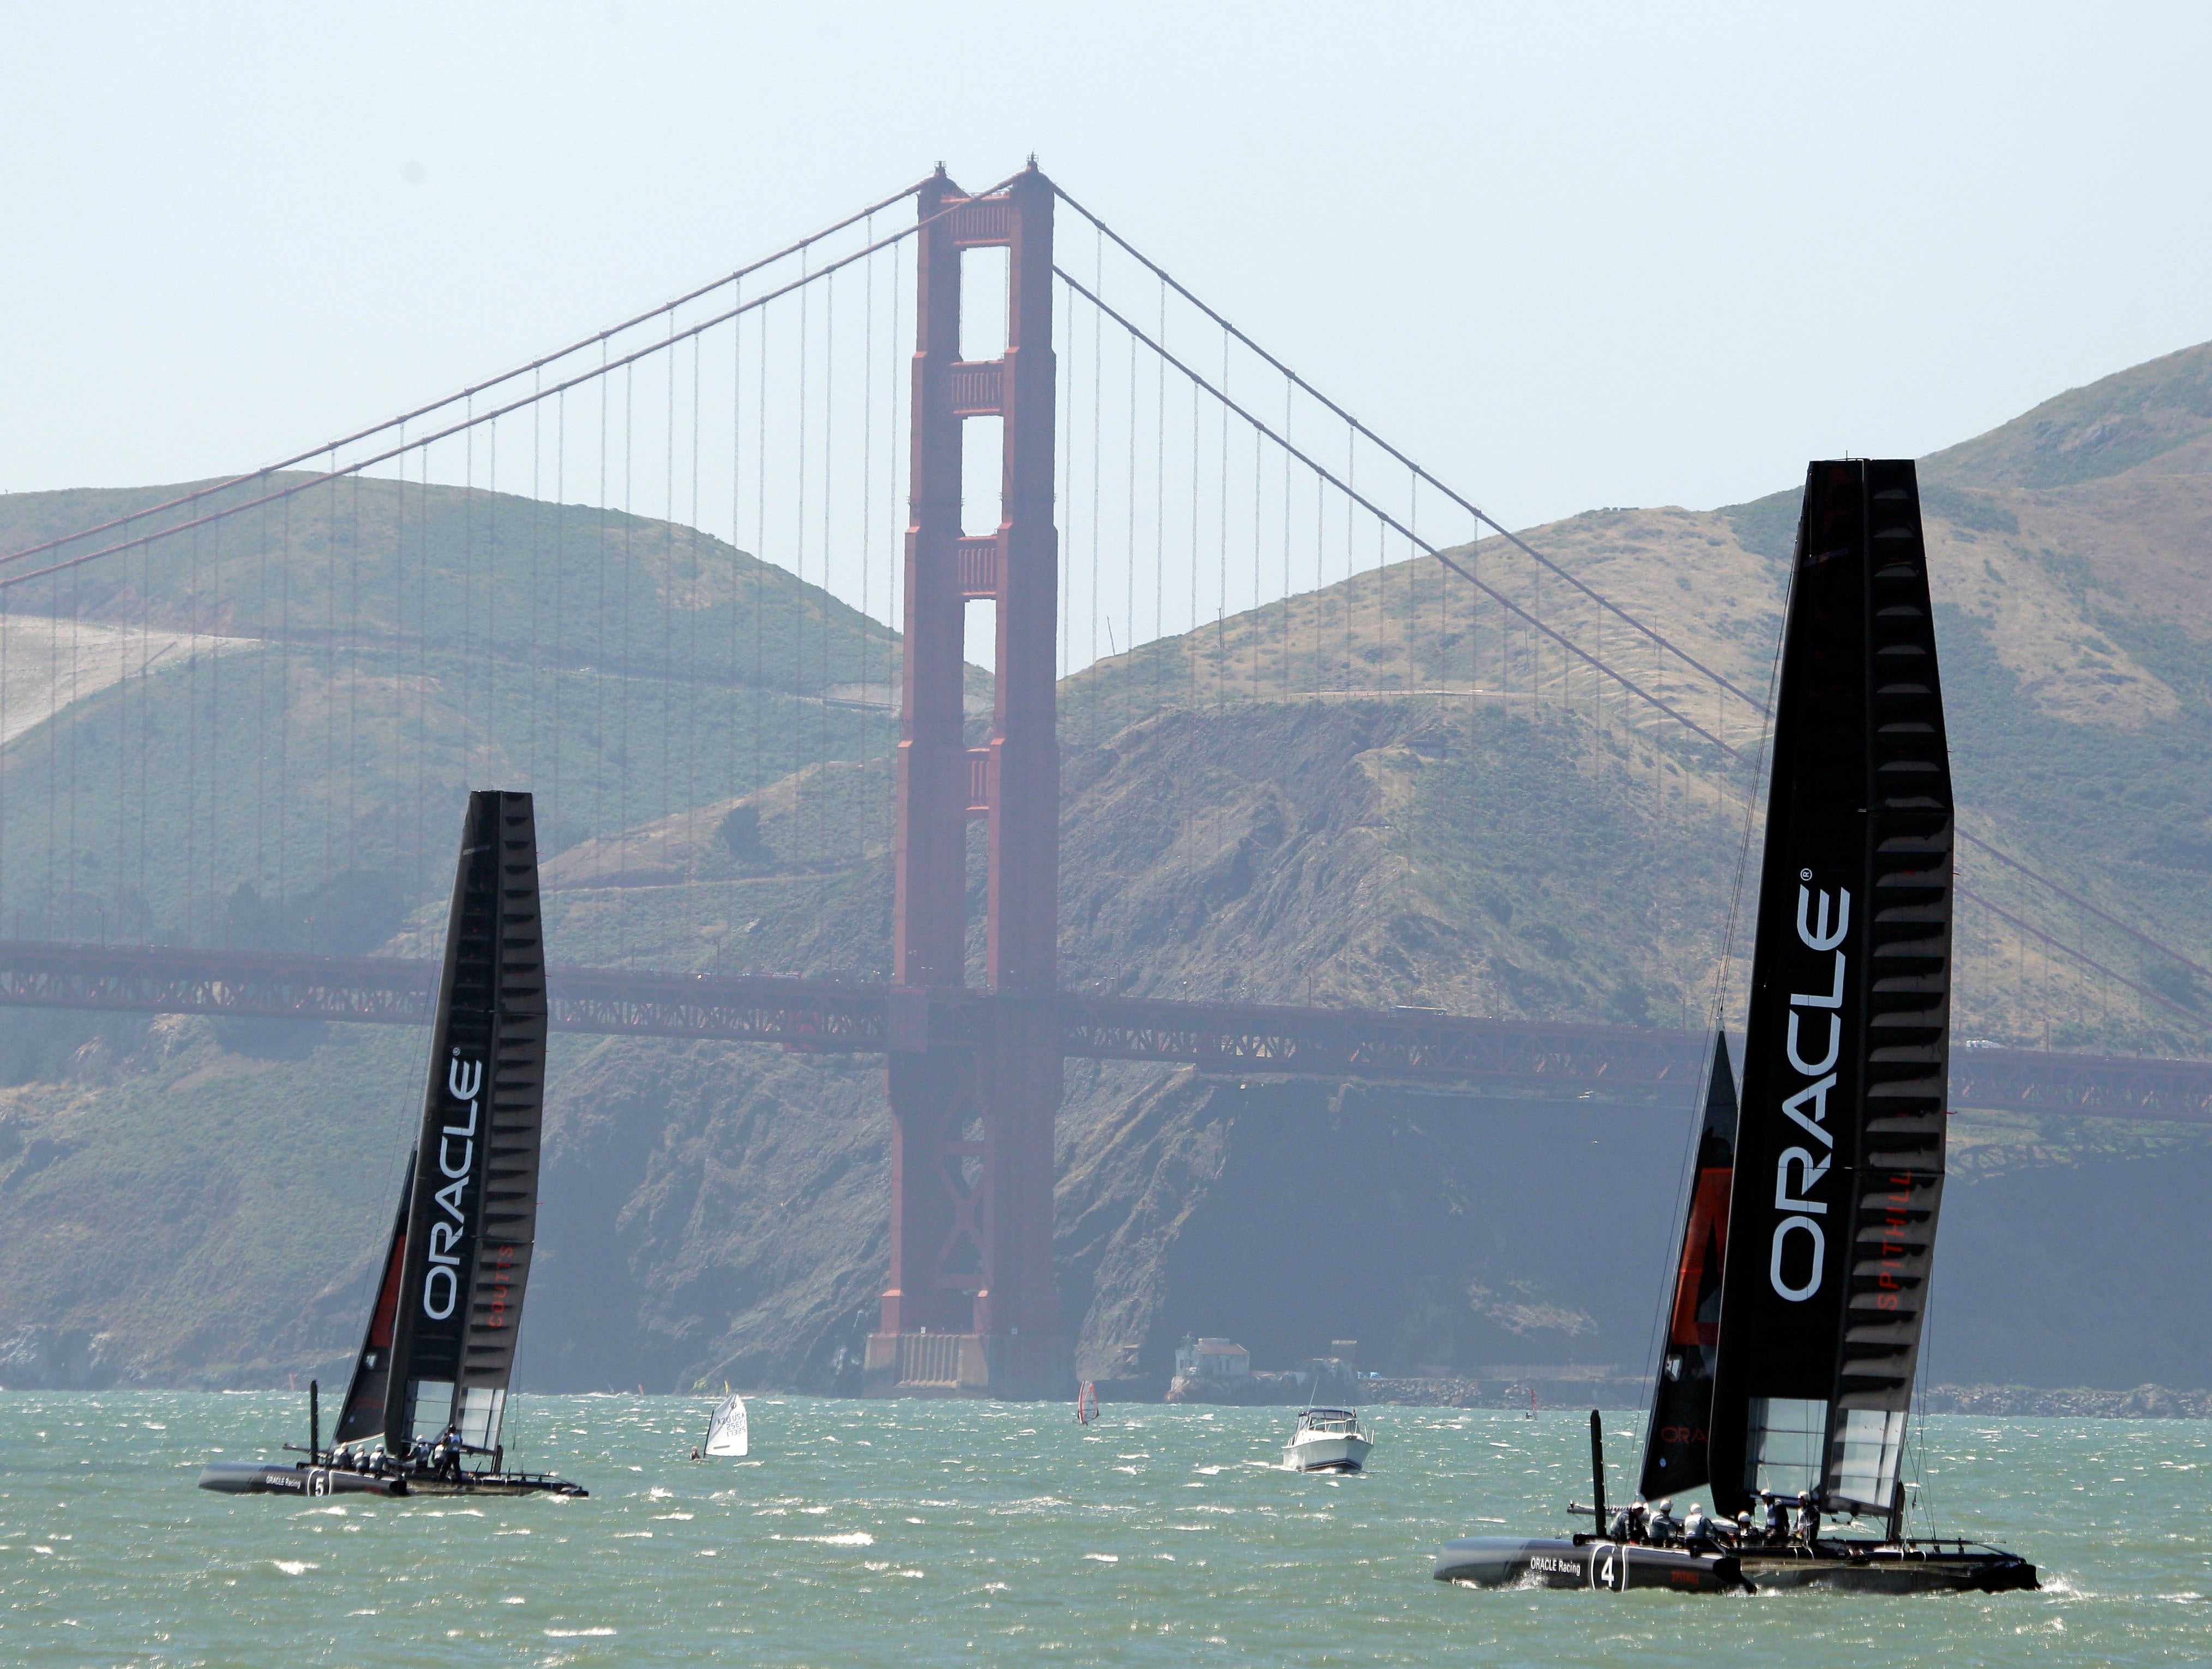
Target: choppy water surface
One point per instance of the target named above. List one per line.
(922, 1533)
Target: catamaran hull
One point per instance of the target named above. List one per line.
(1506, 1562)
(1889, 1570)
(495, 1483)
(1500, 1562)
(240, 1478)
(244, 1477)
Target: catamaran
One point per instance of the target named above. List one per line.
(1794, 1331)
(424, 1411)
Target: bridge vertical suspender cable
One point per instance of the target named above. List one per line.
(1366, 433)
(445, 572)
(1597, 663)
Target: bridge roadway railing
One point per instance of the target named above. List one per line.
(1541, 1059)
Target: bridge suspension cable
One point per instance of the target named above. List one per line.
(468, 394)
(1345, 481)
(355, 640)
(1481, 517)
(437, 614)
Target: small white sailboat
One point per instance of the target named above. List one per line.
(727, 1433)
(1328, 1440)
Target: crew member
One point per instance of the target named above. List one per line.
(1696, 1529)
(445, 1460)
(1665, 1526)
(1639, 1520)
(1808, 1518)
(1775, 1530)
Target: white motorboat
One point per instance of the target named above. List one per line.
(1328, 1440)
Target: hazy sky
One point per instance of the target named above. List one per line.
(1566, 255)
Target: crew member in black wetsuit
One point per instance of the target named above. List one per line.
(1639, 1520)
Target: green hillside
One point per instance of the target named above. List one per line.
(307, 692)
(2075, 620)
(1382, 792)
(2112, 427)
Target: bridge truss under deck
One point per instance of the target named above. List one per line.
(1527, 1059)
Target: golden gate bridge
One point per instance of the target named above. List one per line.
(713, 567)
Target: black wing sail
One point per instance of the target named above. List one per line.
(473, 1212)
(1839, 1153)
(1682, 1396)
(362, 1414)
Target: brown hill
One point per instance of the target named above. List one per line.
(1384, 791)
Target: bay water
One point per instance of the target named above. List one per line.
(919, 1533)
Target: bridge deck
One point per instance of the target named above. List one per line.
(1527, 1058)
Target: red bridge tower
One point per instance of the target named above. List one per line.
(970, 1309)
